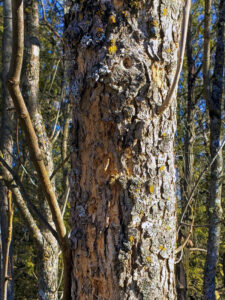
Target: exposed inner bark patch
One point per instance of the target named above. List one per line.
(127, 62)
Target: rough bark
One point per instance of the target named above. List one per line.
(47, 261)
(123, 214)
(215, 208)
(169, 97)
(6, 139)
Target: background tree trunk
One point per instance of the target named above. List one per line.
(6, 140)
(206, 60)
(189, 138)
(47, 255)
(215, 208)
(1, 258)
(123, 212)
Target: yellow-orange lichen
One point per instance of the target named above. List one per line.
(151, 189)
(112, 19)
(148, 258)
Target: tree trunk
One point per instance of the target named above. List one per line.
(1, 264)
(47, 256)
(123, 211)
(6, 141)
(215, 208)
(206, 60)
(189, 138)
(47, 267)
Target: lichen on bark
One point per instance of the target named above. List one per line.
(123, 58)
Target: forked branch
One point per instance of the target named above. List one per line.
(31, 138)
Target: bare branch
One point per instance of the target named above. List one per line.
(197, 249)
(181, 256)
(11, 184)
(65, 200)
(199, 179)
(186, 224)
(54, 74)
(60, 166)
(55, 125)
(6, 277)
(181, 247)
(48, 24)
(169, 96)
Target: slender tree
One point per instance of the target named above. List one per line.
(123, 64)
(48, 254)
(6, 144)
(189, 138)
(32, 140)
(206, 61)
(215, 208)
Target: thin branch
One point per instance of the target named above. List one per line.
(170, 94)
(55, 137)
(186, 224)
(179, 259)
(17, 141)
(24, 169)
(26, 197)
(197, 249)
(6, 277)
(29, 176)
(55, 125)
(199, 179)
(67, 193)
(48, 24)
(54, 74)
(59, 166)
(181, 247)
(60, 281)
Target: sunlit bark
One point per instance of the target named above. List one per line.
(123, 59)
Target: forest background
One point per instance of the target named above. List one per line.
(194, 150)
